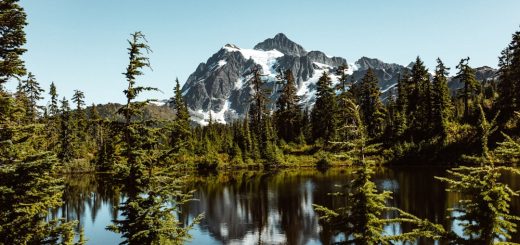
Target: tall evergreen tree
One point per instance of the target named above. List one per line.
(288, 111)
(419, 100)
(148, 219)
(260, 125)
(12, 38)
(134, 133)
(323, 115)
(66, 137)
(53, 105)
(466, 76)
(80, 119)
(96, 127)
(441, 101)
(33, 93)
(401, 104)
(371, 106)
(180, 134)
(508, 86)
(344, 89)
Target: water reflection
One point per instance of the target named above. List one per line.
(267, 207)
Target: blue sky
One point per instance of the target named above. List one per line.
(81, 44)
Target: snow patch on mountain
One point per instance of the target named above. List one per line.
(221, 63)
(307, 90)
(202, 117)
(266, 59)
(239, 83)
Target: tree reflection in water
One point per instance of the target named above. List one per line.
(274, 207)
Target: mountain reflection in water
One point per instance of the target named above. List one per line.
(269, 207)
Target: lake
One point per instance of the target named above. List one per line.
(251, 207)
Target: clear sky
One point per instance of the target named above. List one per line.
(81, 44)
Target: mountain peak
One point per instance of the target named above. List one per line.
(229, 45)
(280, 36)
(283, 44)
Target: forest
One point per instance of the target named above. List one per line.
(150, 152)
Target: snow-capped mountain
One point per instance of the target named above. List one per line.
(220, 87)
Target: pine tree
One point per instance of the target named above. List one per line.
(260, 121)
(323, 118)
(53, 120)
(371, 106)
(508, 86)
(95, 127)
(148, 219)
(344, 88)
(12, 23)
(79, 123)
(401, 104)
(53, 106)
(306, 135)
(441, 107)
(135, 134)
(181, 131)
(466, 75)
(66, 137)
(32, 91)
(248, 147)
(288, 112)
(419, 100)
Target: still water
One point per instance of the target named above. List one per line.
(266, 207)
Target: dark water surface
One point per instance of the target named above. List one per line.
(267, 207)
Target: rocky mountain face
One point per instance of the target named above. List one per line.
(220, 88)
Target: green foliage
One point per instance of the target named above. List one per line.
(12, 23)
(508, 151)
(28, 187)
(66, 138)
(262, 131)
(418, 91)
(53, 106)
(466, 75)
(371, 106)
(508, 86)
(484, 212)
(324, 159)
(181, 132)
(32, 92)
(323, 118)
(288, 111)
(150, 212)
(441, 101)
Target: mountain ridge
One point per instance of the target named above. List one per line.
(220, 86)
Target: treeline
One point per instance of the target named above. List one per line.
(420, 121)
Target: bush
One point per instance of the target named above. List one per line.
(324, 160)
(209, 161)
